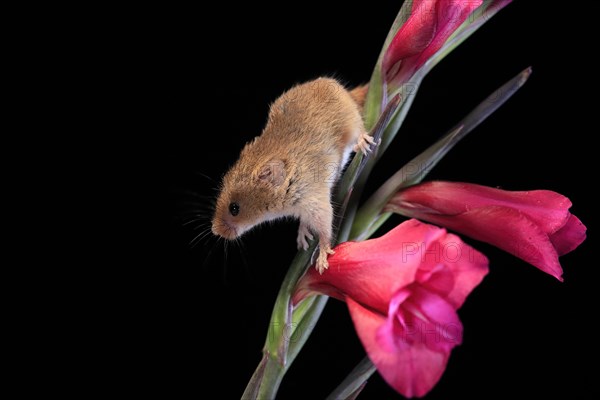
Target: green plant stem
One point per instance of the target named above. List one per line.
(265, 381)
(268, 375)
(305, 326)
(278, 336)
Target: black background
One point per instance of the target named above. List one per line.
(194, 94)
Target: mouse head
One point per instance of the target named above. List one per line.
(250, 194)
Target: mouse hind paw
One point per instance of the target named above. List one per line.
(322, 264)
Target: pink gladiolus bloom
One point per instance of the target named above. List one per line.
(429, 25)
(535, 226)
(403, 290)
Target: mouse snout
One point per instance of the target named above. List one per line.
(226, 229)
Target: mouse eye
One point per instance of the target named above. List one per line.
(234, 209)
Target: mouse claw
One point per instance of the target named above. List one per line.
(303, 235)
(322, 264)
(364, 142)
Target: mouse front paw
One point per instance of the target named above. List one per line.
(364, 142)
(303, 235)
(322, 264)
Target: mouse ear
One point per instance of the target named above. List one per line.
(272, 172)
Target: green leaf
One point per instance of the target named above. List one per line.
(265, 381)
(354, 382)
(304, 324)
(346, 185)
(277, 342)
(374, 100)
(368, 217)
(408, 93)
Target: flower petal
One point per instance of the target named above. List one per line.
(433, 320)
(414, 36)
(507, 229)
(569, 237)
(402, 291)
(451, 14)
(547, 209)
(388, 263)
(411, 370)
(426, 30)
(446, 259)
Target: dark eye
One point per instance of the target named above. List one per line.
(234, 209)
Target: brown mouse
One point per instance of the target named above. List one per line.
(290, 169)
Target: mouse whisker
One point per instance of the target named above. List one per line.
(206, 235)
(199, 237)
(203, 175)
(193, 220)
(205, 225)
(214, 246)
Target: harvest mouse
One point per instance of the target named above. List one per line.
(290, 169)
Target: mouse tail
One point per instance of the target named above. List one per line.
(359, 95)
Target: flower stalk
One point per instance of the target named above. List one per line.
(389, 99)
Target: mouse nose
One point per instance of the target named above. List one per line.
(223, 228)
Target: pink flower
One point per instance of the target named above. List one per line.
(535, 226)
(430, 24)
(403, 290)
